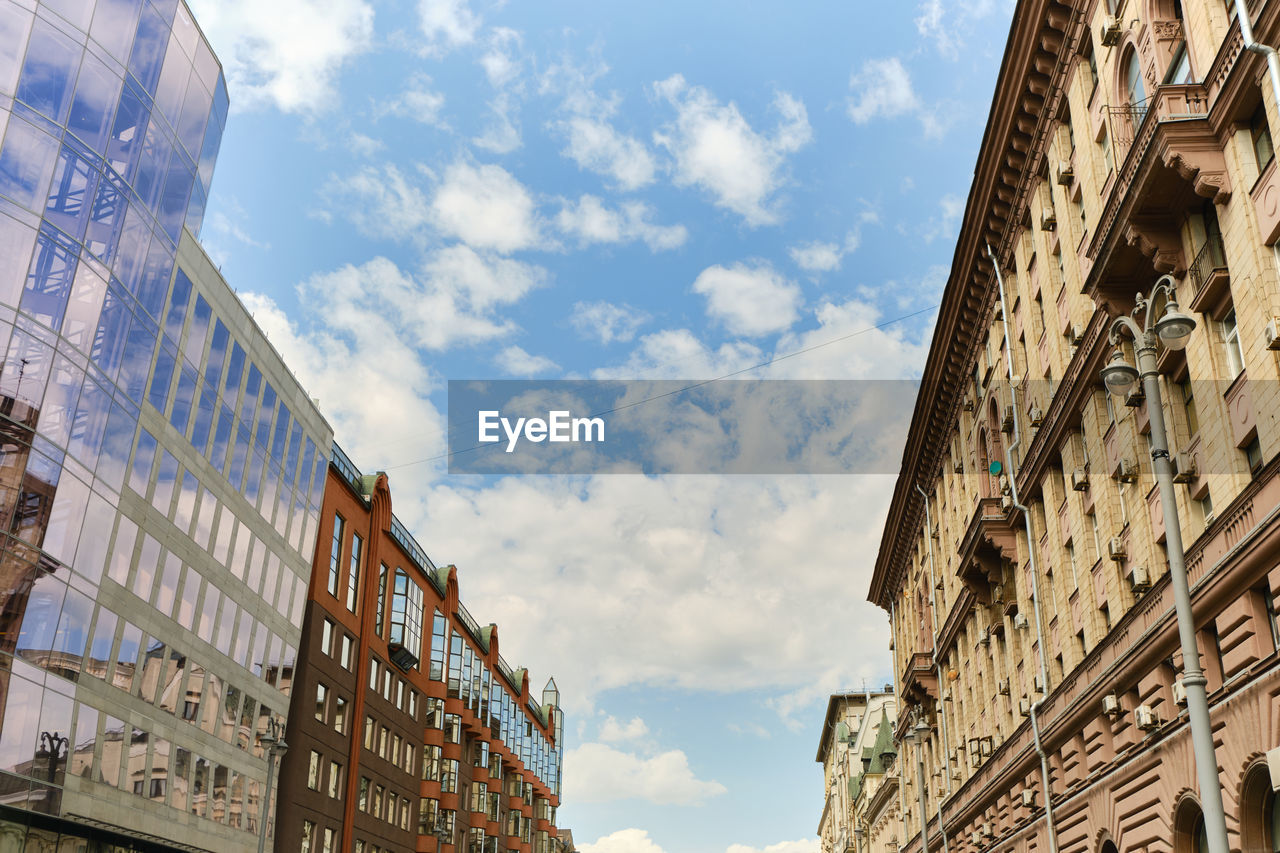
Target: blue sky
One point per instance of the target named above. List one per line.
(421, 190)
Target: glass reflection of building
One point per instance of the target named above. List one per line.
(160, 468)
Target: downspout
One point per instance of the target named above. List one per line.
(902, 777)
(1031, 556)
(1273, 71)
(937, 665)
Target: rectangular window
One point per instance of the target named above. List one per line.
(1260, 132)
(1253, 455)
(347, 657)
(308, 832)
(335, 779)
(368, 733)
(406, 618)
(1231, 344)
(340, 715)
(335, 554)
(380, 612)
(439, 644)
(449, 776)
(430, 763)
(1189, 406)
(452, 728)
(326, 637)
(314, 771)
(328, 840)
(353, 572)
(362, 797)
(322, 702)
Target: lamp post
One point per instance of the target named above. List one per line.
(919, 733)
(857, 839)
(1173, 328)
(272, 741)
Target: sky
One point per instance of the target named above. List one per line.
(415, 191)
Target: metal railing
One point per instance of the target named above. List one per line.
(1211, 258)
(346, 467)
(469, 622)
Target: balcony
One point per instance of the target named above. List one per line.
(1209, 276)
(919, 680)
(989, 542)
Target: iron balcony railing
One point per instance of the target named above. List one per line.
(1211, 258)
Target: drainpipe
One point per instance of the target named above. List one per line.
(937, 664)
(1272, 56)
(902, 776)
(1035, 571)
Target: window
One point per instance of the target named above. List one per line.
(347, 658)
(382, 742)
(381, 611)
(434, 718)
(449, 776)
(378, 792)
(308, 832)
(1133, 86)
(431, 763)
(1105, 142)
(328, 840)
(1231, 344)
(1260, 133)
(368, 733)
(1204, 507)
(439, 642)
(427, 811)
(326, 637)
(1253, 455)
(1093, 69)
(340, 715)
(314, 771)
(373, 674)
(335, 554)
(406, 617)
(353, 572)
(322, 702)
(452, 728)
(1180, 67)
(335, 779)
(1189, 406)
(362, 798)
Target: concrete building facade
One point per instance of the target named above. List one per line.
(408, 730)
(1023, 562)
(160, 469)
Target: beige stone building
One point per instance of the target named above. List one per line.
(854, 751)
(1037, 649)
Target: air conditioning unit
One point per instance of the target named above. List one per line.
(1003, 687)
(1028, 798)
(1037, 416)
(1021, 622)
(1024, 706)
(1077, 334)
(1038, 684)
(984, 637)
(968, 404)
(1006, 425)
(1179, 692)
(986, 746)
(1048, 221)
(1134, 397)
(1116, 549)
(1145, 718)
(1272, 334)
(1080, 479)
(1066, 174)
(1184, 468)
(955, 772)
(1006, 502)
(1111, 33)
(988, 831)
(975, 837)
(975, 760)
(1111, 705)
(1140, 579)
(997, 593)
(1127, 471)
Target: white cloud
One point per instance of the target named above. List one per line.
(514, 361)
(804, 845)
(590, 221)
(418, 101)
(285, 53)
(882, 88)
(678, 354)
(948, 23)
(363, 145)
(499, 61)
(502, 134)
(612, 731)
(816, 256)
(446, 24)
(587, 125)
(485, 207)
(749, 300)
(380, 202)
(945, 223)
(622, 841)
(483, 281)
(716, 149)
(596, 773)
(862, 350)
(607, 322)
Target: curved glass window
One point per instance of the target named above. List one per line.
(406, 620)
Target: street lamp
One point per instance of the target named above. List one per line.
(919, 734)
(1173, 328)
(272, 741)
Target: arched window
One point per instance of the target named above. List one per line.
(1133, 80)
(1188, 828)
(1259, 813)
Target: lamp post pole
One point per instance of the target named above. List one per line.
(1173, 328)
(273, 741)
(919, 732)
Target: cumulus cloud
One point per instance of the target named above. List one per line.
(749, 300)
(612, 731)
(287, 53)
(622, 841)
(823, 256)
(591, 221)
(945, 223)
(485, 207)
(607, 322)
(716, 150)
(514, 361)
(679, 354)
(418, 100)
(597, 773)
(882, 88)
(446, 24)
(381, 202)
(586, 122)
(500, 61)
(947, 23)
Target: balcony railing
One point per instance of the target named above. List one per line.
(1210, 263)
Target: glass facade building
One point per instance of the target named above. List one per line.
(161, 471)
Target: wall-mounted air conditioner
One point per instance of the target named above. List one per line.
(1184, 465)
(1021, 622)
(1140, 579)
(1145, 718)
(1110, 33)
(1080, 479)
(1179, 692)
(1111, 705)
(1271, 334)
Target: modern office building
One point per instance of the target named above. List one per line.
(1027, 562)
(408, 729)
(855, 749)
(161, 471)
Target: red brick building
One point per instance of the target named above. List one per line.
(409, 730)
